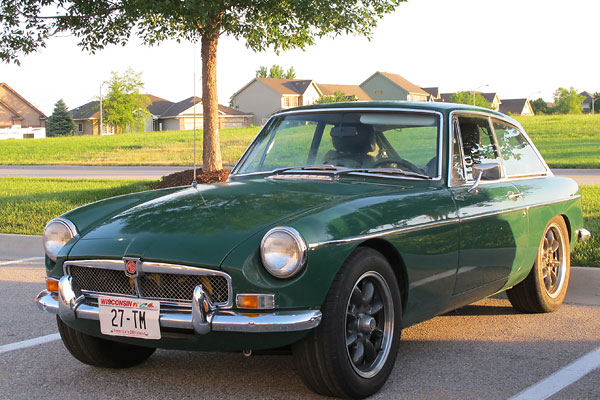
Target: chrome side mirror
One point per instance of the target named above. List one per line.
(486, 172)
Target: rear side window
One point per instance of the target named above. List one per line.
(519, 156)
(478, 142)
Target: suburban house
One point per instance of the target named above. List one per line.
(264, 96)
(164, 115)
(349, 90)
(491, 98)
(386, 86)
(180, 116)
(516, 107)
(586, 106)
(15, 111)
(434, 93)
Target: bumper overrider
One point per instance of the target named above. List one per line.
(203, 317)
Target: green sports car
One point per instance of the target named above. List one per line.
(341, 225)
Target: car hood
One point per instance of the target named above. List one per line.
(200, 226)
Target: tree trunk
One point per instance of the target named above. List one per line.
(211, 152)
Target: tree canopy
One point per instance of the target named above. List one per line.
(337, 97)
(567, 101)
(60, 123)
(540, 107)
(276, 71)
(26, 25)
(124, 107)
(467, 98)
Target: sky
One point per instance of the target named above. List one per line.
(516, 48)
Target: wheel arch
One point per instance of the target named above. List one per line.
(395, 259)
(568, 224)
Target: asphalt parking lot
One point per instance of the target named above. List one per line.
(483, 351)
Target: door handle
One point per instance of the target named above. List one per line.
(514, 196)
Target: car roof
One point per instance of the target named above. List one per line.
(413, 105)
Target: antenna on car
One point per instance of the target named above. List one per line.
(195, 180)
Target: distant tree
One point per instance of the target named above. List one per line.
(276, 71)
(60, 123)
(336, 97)
(467, 98)
(567, 101)
(540, 107)
(124, 107)
(261, 72)
(26, 26)
(597, 102)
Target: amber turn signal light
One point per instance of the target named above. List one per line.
(52, 285)
(256, 301)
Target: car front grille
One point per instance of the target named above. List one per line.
(169, 283)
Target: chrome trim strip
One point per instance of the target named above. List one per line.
(154, 267)
(352, 109)
(375, 235)
(222, 320)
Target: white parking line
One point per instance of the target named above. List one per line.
(561, 378)
(21, 260)
(29, 343)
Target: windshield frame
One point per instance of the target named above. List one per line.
(440, 152)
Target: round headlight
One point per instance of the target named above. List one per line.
(283, 252)
(56, 234)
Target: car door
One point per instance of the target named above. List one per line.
(491, 215)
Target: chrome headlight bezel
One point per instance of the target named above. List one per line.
(273, 263)
(53, 246)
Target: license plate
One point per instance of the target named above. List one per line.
(129, 317)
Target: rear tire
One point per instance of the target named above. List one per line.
(353, 351)
(545, 287)
(101, 352)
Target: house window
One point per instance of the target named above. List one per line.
(379, 92)
(290, 101)
(80, 127)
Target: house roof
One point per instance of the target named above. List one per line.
(4, 85)
(177, 108)
(158, 105)
(286, 86)
(434, 91)
(587, 94)
(89, 110)
(489, 96)
(401, 82)
(348, 90)
(513, 106)
(15, 114)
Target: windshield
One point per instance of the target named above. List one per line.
(368, 141)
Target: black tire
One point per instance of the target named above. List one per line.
(101, 352)
(363, 310)
(545, 287)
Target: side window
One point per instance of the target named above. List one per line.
(457, 167)
(519, 156)
(477, 141)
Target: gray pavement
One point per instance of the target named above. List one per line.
(485, 350)
(581, 176)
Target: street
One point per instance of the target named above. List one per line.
(486, 350)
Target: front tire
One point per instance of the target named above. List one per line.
(101, 352)
(352, 352)
(545, 287)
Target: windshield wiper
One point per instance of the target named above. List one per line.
(322, 167)
(387, 171)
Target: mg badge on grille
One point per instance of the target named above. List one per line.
(132, 265)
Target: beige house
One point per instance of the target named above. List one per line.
(516, 107)
(264, 96)
(434, 93)
(386, 86)
(86, 118)
(17, 112)
(180, 116)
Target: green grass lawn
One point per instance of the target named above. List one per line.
(565, 141)
(26, 204)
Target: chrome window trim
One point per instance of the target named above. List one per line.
(154, 267)
(506, 119)
(440, 150)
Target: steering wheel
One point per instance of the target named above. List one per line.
(399, 163)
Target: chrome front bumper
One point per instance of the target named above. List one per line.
(583, 235)
(201, 319)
